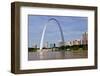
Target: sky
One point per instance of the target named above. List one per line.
(72, 27)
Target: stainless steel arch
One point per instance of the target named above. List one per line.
(44, 29)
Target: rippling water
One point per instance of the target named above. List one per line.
(47, 55)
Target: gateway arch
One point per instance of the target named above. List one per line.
(44, 30)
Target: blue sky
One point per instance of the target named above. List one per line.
(72, 27)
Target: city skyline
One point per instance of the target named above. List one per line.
(82, 41)
(72, 27)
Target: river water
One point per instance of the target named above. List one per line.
(49, 55)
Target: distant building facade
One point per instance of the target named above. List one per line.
(60, 43)
(68, 43)
(73, 42)
(77, 42)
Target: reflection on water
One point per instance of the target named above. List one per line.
(47, 55)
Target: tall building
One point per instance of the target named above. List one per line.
(85, 38)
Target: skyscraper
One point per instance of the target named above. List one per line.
(85, 38)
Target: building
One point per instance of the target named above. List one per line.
(60, 43)
(85, 38)
(76, 42)
(68, 43)
(73, 42)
